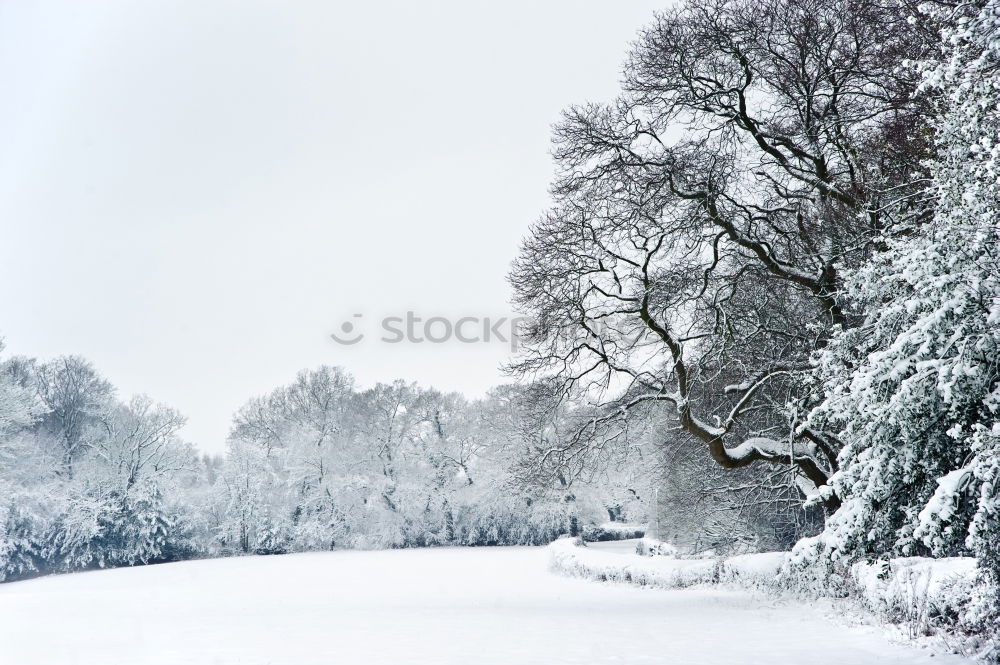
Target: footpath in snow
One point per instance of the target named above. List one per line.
(444, 605)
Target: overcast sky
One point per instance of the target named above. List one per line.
(194, 195)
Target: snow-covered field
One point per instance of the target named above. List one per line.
(472, 605)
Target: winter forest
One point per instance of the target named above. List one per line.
(762, 315)
(92, 481)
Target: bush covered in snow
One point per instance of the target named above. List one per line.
(662, 566)
(654, 547)
(596, 533)
(764, 570)
(571, 556)
(940, 597)
(918, 590)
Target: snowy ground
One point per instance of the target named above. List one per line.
(474, 605)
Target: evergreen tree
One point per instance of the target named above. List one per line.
(914, 389)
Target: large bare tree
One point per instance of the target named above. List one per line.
(691, 256)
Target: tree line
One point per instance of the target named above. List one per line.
(89, 480)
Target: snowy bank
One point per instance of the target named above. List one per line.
(925, 597)
(763, 570)
(659, 566)
(940, 599)
(943, 586)
(570, 556)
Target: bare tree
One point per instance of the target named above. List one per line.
(139, 439)
(691, 258)
(75, 396)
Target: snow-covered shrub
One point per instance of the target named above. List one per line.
(765, 570)
(570, 556)
(612, 531)
(139, 530)
(24, 525)
(652, 547)
(148, 529)
(811, 569)
(76, 535)
(919, 592)
(95, 530)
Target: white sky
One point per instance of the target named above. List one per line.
(194, 194)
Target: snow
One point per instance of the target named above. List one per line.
(663, 568)
(653, 547)
(627, 546)
(570, 558)
(942, 505)
(758, 570)
(910, 582)
(439, 605)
